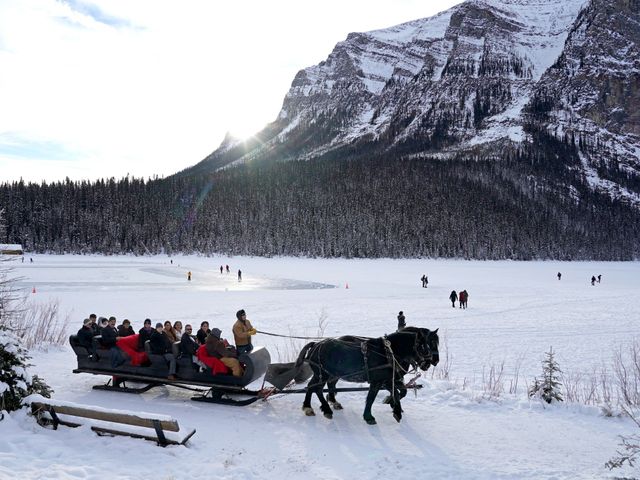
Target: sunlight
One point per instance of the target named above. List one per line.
(244, 129)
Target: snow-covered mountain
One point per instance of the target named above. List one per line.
(479, 79)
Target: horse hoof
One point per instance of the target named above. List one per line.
(371, 421)
(308, 411)
(336, 405)
(328, 415)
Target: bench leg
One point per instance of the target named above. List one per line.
(162, 440)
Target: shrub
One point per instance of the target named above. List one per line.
(548, 388)
(15, 380)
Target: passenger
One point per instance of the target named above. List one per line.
(109, 334)
(102, 323)
(189, 346)
(85, 338)
(94, 324)
(203, 332)
(145, 334)
(160, 344)
(169, 332)
(242, 331)
(125, 329)
(109, 340)
(177, 330)
(218, 347)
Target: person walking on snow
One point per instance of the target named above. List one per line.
(426, 281)
(559, 275)
(593, 280)
(453, 297)
(189, 276)
(464, 296)
(239, 275)
(422, 279)
(461, 298)
(599, 278)
(401, 321)
(220, 269)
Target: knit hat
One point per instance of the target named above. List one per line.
(239, 313)
(86, 321)
(158, 325)
(216, 332)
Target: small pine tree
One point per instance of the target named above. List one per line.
(15, 380)
(548, 388)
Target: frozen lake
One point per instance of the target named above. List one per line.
(516, 311)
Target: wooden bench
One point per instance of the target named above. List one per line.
(48, 412)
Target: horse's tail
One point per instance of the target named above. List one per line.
(303, 353)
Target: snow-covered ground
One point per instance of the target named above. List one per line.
(516, 311)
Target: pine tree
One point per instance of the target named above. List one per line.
(548, 388)
(15, 380)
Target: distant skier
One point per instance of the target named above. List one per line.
(401, 321)
(239, 275)
(189, 276)
(453, 297)
(559, 275)
(599, 278)
(593, 280)
(221, 269)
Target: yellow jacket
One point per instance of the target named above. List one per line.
(240, 335)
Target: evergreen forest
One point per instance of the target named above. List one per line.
(523, 205)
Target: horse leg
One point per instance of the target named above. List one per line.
(398, 391)
(306, 405)
(371, 396)
(324, 405)
(331, 397)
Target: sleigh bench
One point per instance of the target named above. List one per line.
(158, 428)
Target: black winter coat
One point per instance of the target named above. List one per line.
(144, 336)
(85, 338)
(125, 331)
(159, 343)
(188, 345)
(202, 336)
(109, 337)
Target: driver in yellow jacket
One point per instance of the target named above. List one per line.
(242, 332)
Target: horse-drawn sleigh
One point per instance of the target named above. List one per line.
(382, 362)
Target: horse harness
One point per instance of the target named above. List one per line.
(388, 353)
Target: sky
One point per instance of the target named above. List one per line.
(110, 88)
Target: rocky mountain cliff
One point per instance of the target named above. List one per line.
(478, 81)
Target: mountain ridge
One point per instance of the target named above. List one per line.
(477, 78)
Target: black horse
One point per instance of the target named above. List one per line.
(381, 362)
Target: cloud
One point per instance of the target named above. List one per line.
(96, 13)
(151, 87)
(16, 146)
